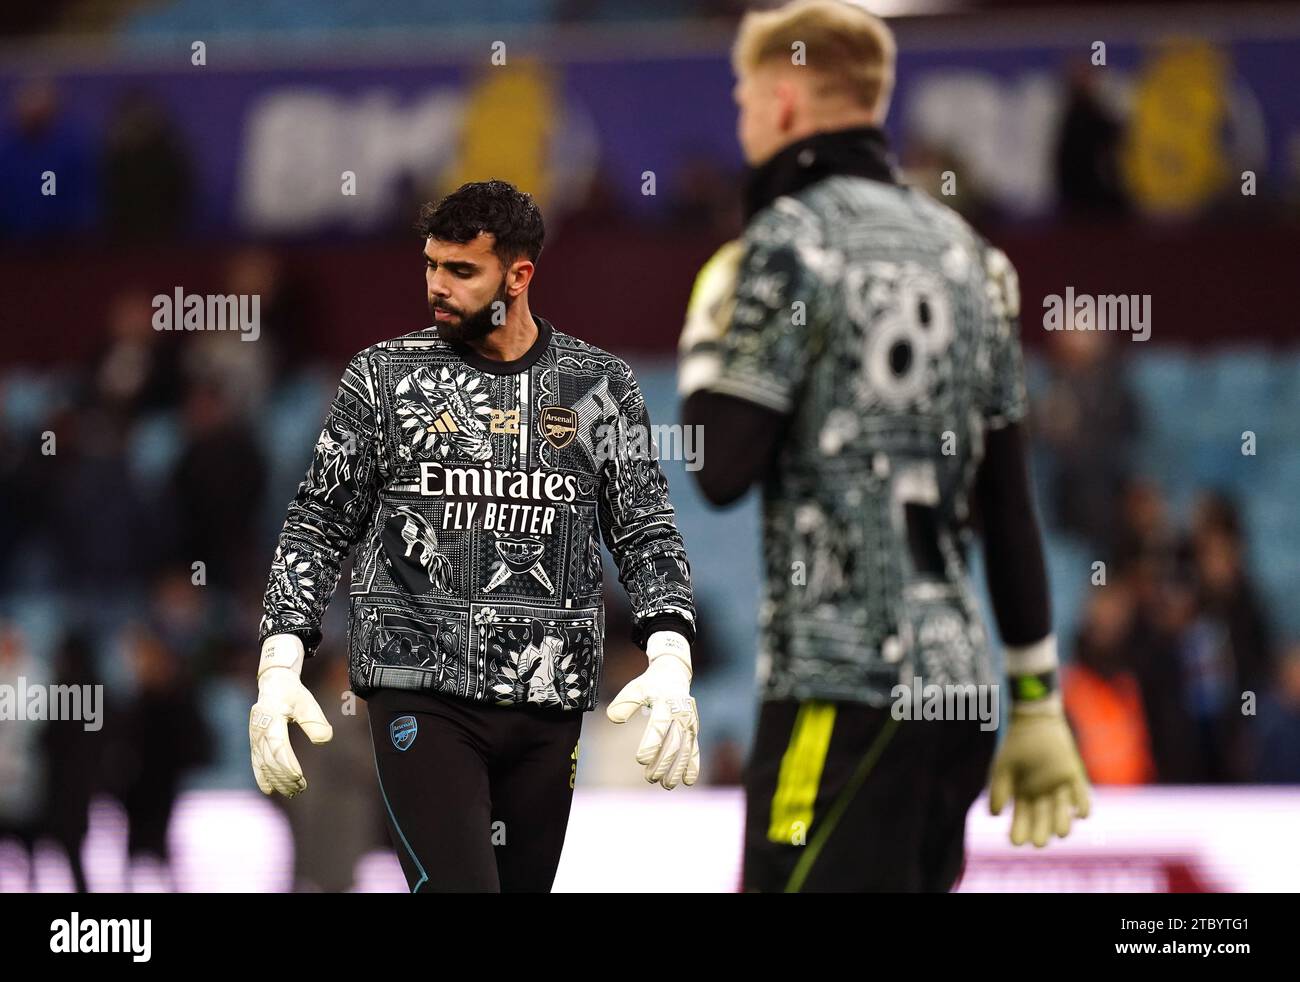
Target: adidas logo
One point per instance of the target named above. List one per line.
(444, 424)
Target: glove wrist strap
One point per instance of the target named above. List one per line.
(669, 643)
(281, 651)
(1049, 705)
(1032, 672)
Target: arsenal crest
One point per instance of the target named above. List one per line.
(559, 426)
(403, 730)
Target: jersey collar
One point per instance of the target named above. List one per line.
(494, 367)
(861, 151)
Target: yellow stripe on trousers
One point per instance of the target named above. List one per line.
(801, 773)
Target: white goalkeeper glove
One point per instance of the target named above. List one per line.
(1038, 765)
(708, 317)
(670, 747)
(282, 697)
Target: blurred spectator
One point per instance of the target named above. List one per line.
(1202, 644)
(1089, 420)
(1276, 730)
(1144, 532)
(340, 821)
(284, 310)
(1204, 661)
(1164, 608)
(135, 370)
(1214, 512)
(147, 184)
(226, 690)
(22, 775)
(160, 737)
(928, 166)
(74, 758)
(181, 612)
(216, 490)
(22, 475)
(1223, 653)
(39, 139)
(1087, 150)
(1198, 638)
(1228, 597)
(96, 526)
(703, 198)
(600, 210)
(1102, 696)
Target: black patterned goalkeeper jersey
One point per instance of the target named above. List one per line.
(478, 492)
(883, 331)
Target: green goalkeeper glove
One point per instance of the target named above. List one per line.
(1038, 765)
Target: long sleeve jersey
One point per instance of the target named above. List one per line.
(478, 492)
(879, 334)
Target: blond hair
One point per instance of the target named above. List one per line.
(850, 50)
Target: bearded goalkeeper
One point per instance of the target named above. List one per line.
(477, 465)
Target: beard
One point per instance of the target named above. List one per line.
(472, 325)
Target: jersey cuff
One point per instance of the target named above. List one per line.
(759, 391)
(309, 636)
(663, 622)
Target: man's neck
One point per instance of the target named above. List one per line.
(512, 339)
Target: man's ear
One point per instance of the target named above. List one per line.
(786, 94)
(518, 276)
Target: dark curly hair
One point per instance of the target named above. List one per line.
(509, 214)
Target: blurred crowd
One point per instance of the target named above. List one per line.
(132, 554)
(136, 183)
(135, 180)
(1176, 673)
